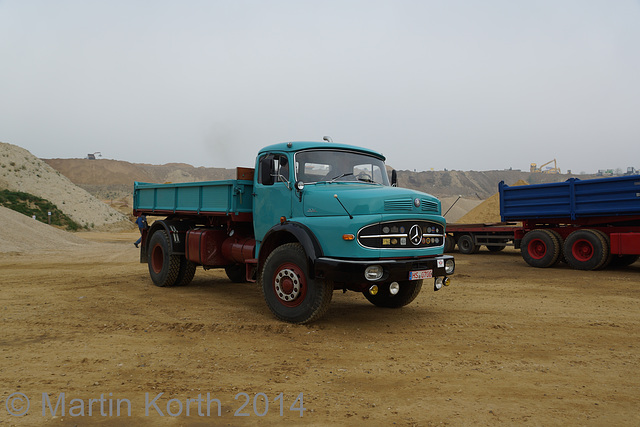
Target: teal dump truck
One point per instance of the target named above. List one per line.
(311, 218)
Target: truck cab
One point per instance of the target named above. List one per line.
(358, 232)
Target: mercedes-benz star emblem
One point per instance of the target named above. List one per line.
(415, 234)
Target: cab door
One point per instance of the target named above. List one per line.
(271, 199)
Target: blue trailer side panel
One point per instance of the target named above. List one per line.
(572, 199)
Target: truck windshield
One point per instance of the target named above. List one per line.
(339, 166)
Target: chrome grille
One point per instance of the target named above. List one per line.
(406, 234)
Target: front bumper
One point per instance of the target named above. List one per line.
(351, 271)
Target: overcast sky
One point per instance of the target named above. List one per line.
(466, 85)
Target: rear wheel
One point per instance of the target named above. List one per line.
(290, 293)
(409, 290)
(164, 267)
(540, 248)
(466, 244)
(186, 272)
(586, 250)
(495, 248)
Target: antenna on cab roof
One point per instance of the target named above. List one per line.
(327, 138)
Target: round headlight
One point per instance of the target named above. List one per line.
(394, 288)
(373, 272)
(449, 266)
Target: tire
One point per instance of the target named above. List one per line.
(289, 292)
(466, 245)
(409, 290)
(540, 248)
(164, 267)
(237, 273)
(449, 244)
(186, 272)
(609, 256)
(495, 248)
(586, 250)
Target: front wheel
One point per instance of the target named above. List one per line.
(289, 292)
(409, 290)
(467, 245)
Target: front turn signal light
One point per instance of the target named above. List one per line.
(348, 237)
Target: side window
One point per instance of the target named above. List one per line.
(282, 168)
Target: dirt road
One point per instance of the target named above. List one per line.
(504, 344)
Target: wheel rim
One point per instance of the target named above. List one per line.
(537, 249)
(465, 244)
(157, 259)
(582, 250)
(289, 285)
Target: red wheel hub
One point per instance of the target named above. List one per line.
(157, 259)
(289, 285)
(582, 250)
(537, 249)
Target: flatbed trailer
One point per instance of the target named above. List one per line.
(470, 237)
(590, 224)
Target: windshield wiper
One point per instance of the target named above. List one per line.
(341, 176)
(365, 179)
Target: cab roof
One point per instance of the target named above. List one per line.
(295, 146)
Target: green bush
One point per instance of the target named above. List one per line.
(31, 205)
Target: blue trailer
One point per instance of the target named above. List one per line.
(590, 224)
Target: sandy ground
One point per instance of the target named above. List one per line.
(504, 344)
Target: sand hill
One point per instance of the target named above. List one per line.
(23, 234)
(22, 171)
(487, 211)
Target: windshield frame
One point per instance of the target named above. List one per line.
(333, 176)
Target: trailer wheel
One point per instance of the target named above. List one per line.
(290, 293)
(609, 255)
(449, 243)
(186, 272)
(466, 245)
(586, 250)
(409, 290)
(164, 267)
(237, 273)
(495, 248)
(540, 248)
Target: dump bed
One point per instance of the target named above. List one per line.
(225, 197)
(572, 199)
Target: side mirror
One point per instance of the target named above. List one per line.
(267, 170)
(394, 178)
